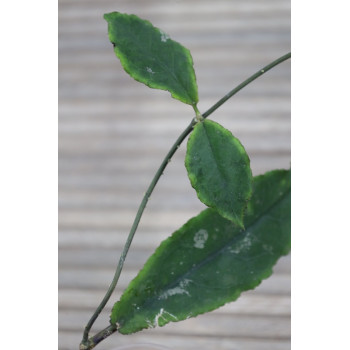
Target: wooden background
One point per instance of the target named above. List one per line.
(113, 134)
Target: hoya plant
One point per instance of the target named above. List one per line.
(228, 248)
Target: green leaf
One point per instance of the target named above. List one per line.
(151, 57)
(210, 261)
(219, 170)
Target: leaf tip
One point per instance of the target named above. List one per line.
(241, 225)
(108, 16)
(237, 220)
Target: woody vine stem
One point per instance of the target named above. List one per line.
(86, 343)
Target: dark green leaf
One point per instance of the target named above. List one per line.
(219, 170)
(210, 261)
(151, 57)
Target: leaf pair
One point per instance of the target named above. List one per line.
(217, 164)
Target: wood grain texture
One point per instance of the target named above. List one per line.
(113, 134)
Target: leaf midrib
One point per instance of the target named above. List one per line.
(220, 250)
(163, 65)
(239, 236)
(221, 172)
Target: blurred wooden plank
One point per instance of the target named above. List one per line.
(278, 284)
(96, 258)
(85, 125)
(210, 325)
(110, 239)
(122, 219)
(74, 9)
(247, 304)
(98, 108)
(109, 163)
(159, 145)
(176, 342)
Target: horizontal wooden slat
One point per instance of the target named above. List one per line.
(122, 219)
(159, 145)
(98, 258)
(230, 326)
(177, 342)
(98, 278)
(154, 123)
(227, 325)
(242, 107)
(248, 303)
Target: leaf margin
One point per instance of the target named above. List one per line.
(191, 100)
(205, 197)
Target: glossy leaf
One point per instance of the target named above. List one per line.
(151, 57)
(210, 261)
(219, 170)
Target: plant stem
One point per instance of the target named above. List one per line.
(97, 338)
(134, 228)
(246, 82)
(90, 343)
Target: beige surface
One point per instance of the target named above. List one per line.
(113, 134)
